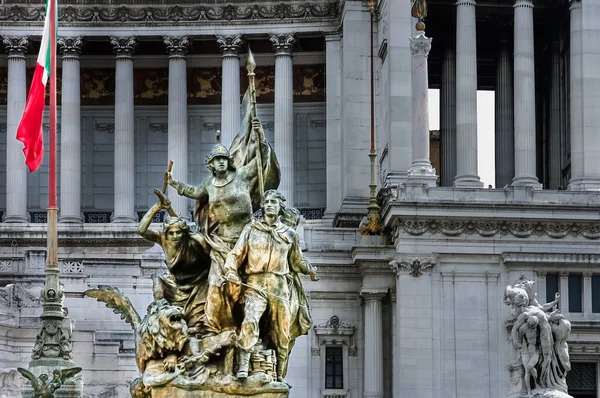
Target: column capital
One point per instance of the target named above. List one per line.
(523, 3)
(16, 46)
(466, 3)
(574, 4)
(283, 43)
(70, 47)
(230, 45)
(372, 294)
(541, 274)
(123, 46)
(176, 46)
(420, 44)
(415, 266)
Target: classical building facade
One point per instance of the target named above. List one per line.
(417, 312)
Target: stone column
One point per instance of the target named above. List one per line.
(564, 292)
(124, 130)
(284, 113)
(587, 292)
(16, 170)
(556, 119)
(70, 138)
(373, 371)
(466, 96)
(576, 96)
(448, 117)
(230, 87)
(524, 95)
(505, 133)
(178, 118)
(541, 285)
(333, 138)
(421, 171)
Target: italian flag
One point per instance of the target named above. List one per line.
(29, 131)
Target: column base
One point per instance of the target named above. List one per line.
(526, 181)
(70, 220)
(16, 219)
(590, 184)
(468, 181)
(124, 219)
(574, 184)
(422, 174)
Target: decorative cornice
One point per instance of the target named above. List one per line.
(414, 265)
(123, 47)
(283, 44)
(420, 44)
(334, 327)
(70, 47)
(230, 45)
(16, 46)
(519, 229)
(176, 46)
(551, 259)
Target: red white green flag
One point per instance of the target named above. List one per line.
(29, 131)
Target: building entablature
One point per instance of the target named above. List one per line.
(89, 18)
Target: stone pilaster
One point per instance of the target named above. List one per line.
(70, 138)
(564, 292)
(556, 119)
(466, 96)
(230, 87)
(178, 118)
(524, 96)
(124, 130)
(284, 113)
(333, 138)
(373, 370)
(576, 99)
(16, 170)
(587, 292)
(448, 117)
(590, 58)
(421, 172)
(505, 133)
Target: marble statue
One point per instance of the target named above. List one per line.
(43, 386)
(203, 336)
(539, 334)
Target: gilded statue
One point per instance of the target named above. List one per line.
(419, 9)
(43, 386)
(268, 254)
(539, 334)
(203, 334)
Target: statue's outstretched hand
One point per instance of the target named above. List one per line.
(313, 276)
(257, 126)
(232, 277)
(165, 203)
(169, 177)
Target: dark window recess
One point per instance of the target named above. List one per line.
(595, 293)
(582, 381)
(575, 293)
(551, 287)
(334, 377)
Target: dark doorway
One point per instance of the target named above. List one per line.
(582, 380)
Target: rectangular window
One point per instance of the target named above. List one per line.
(596, 293)
(575, 293)
(551, 287)
(582, 380)
(334, 378)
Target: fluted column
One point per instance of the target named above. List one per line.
(178, 128)
(230, 87)
(373, 373)
(420, 171)
(576, 96)
(284, 113)
(524, 98)
(16, 171)
(124, 130)
(448, 117)
(504, 135)
(466, 96)
(70, 137)
(556, 119)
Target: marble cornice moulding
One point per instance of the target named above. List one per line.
(516, 259)
(491, 228)
(140, 13)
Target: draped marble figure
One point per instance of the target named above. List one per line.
(539, 334)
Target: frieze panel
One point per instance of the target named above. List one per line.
(519, 229)
(151, 86)
(204, 86)
(97, 86)
(193, 14)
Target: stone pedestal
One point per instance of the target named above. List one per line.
(71, 388)
(172, 392)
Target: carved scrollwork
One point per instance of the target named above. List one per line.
(283, 44)
(16, 46)
(177, 46)
(230, 45)
(70, 47)
(123, 46)
(415, 266)
(420, 45)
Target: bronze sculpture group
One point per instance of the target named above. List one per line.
(227, 312)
